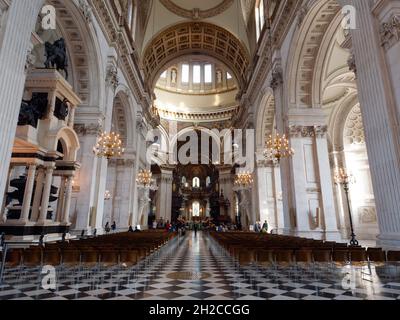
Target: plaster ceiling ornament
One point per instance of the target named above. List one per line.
(86, 10)
(354, 128)
(195, 38)
(112, 76)
(197, 13)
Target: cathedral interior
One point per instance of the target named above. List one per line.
(235, 128)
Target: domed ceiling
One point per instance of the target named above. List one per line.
(202, 34)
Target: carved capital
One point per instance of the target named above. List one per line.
(390, 32)
(277, 78)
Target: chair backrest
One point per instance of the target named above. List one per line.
(284, 256)
(393, 256)
(265, 256)
(51, 257)
(358, 255)
(71, 256)
(32, 257)
(376, 255)
(304, 256)
(129, 256)
(324, 255)
(340, 255)
(14, 257)
(90, 256)
(108, 256)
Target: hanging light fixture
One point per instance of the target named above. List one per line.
(109, 145)
(278, 148)
(107, 195)
(145, 180)
(243, 181)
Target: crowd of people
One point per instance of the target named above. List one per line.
(181, 225)
(261, 228)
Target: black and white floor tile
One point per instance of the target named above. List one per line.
(223, 280)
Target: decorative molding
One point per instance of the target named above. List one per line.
(86, 11)
(298, 131)
(87, 129)
(352, 63)
(198, 117)
(354, 127)
(390, 32)
(277, 77)
(112, 76)
(367, 215)
(196, 13)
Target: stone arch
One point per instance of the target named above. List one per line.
(265, 119)
(75, 26)
(304, 56)
(123, 115)
(195, 37)
(70, 142)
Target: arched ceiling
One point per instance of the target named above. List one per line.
(191, 38)
(226, 14)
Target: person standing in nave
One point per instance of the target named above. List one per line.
(107, 227)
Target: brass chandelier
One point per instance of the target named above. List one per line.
(243, 180)
(109, 145)
(278, 148)
(145, 180)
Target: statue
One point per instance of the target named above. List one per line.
(33, 110)
(61, 109)
(56, 56)
(219, 76)
(173, 76)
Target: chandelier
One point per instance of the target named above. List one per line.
(278, 148)
(145, 180)
(343, 178)
(109, 145)
(243, 180)
(107, 195)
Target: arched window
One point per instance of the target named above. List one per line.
(196, 182)
(260, 18)
(196, 209)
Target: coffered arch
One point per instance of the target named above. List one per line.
(74, 24)
(191, 38)
(304, 57)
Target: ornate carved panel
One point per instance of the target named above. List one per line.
(196, 13)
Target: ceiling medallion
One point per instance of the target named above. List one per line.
(196, 13)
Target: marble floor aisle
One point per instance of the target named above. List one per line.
(196, 268)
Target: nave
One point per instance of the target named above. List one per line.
(196, 267)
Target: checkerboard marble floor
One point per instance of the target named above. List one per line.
(213, 276)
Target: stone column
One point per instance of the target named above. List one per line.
(38, 195)
(99, 186)
(3, 211)
(381, 114)
(164, 207)
(26, 206)
(87, 174)
(22, 16)
(226, 185)
(281, 125)
(330, 217)
(61, 196)
(46, 195)
(67, 201)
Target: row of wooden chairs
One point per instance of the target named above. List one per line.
(119, 250)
